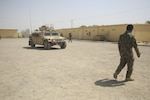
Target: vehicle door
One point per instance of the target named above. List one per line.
(39, 39)
(34, 36)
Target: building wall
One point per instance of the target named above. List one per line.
(76, 32)
(63, 32)
(109, 32)
(113, 32)
(79, 33)
(142, 32)
(104, 31)
(89, 33)
(9, 33)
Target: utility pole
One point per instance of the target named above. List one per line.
(30, 21)
(71, 23)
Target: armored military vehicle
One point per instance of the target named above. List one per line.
(46, 37)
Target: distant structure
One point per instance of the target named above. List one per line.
(107, 33)
(95, 32)
(9, 33)
(25, 33)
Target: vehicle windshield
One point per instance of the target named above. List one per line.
(54, 34)
(47, 34)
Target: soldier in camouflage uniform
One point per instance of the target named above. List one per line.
(125, 44)
(70, 37)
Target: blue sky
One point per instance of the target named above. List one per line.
(21, 14)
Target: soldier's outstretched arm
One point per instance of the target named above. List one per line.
(136, 47)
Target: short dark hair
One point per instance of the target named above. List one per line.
(130, 27)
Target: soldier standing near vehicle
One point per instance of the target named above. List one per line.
(70, 37)
(125, 44)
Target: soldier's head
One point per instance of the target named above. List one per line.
(130, 27)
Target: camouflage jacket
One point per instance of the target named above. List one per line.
(125, 44)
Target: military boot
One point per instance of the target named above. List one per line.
(129, 79)
(115, 75)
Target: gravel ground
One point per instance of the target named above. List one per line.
(82, 71)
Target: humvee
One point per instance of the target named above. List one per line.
(47, 38)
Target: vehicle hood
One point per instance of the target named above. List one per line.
(53, 37)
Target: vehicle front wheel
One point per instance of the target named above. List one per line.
(32, 44)
(47, 45)
(63, 45)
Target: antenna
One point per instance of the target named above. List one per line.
(30, 21)
(71, 23)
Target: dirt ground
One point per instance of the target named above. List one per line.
(82, 71)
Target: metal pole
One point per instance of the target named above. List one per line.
(71, 23)
(30, 21)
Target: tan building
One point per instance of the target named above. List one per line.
(142, 32)
(9, 33)
(108, 33)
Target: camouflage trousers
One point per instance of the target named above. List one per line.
(123, 61)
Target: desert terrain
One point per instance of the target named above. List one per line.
(82, 71)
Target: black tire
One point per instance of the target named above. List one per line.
(32, 44)
(47, 45)
(63, 46)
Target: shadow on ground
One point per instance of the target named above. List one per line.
(139, 44)
(109, 83)
(146, 45)
(40, 48)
